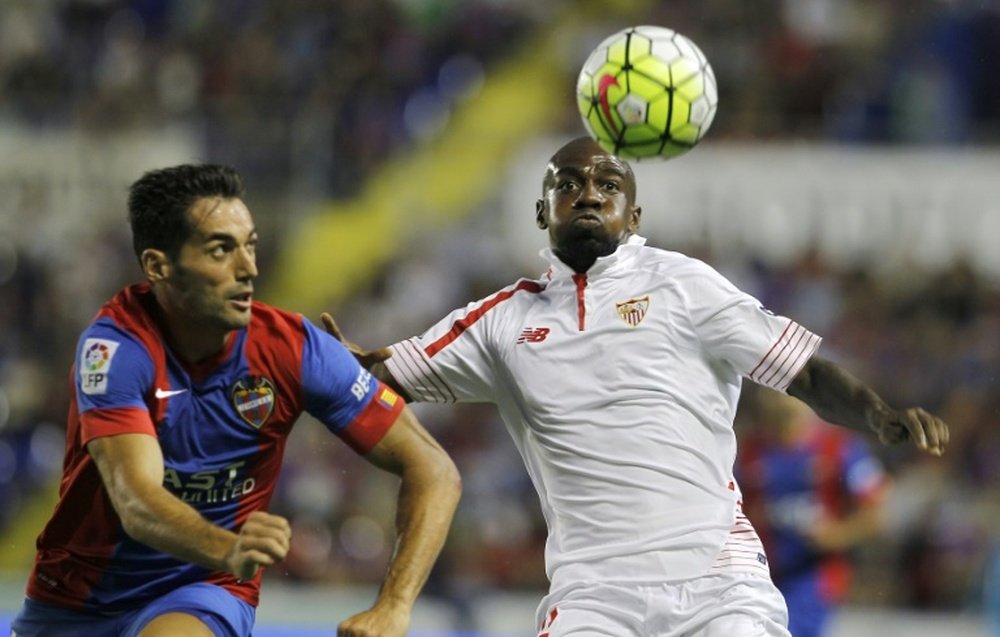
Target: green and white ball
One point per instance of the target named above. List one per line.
(647, 92)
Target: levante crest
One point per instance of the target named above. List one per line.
(253, 398)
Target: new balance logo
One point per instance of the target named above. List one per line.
(533, 335)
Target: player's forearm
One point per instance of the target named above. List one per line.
(427, 499)
(862, 526)
(160, 520)
(849, 532)
(131, 467)
(837, 396)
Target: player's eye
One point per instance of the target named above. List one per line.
(218, 251)
(566, 186)
(612, 186)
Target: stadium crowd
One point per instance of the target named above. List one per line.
(308, 98)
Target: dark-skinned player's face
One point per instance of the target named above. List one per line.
(588, 204)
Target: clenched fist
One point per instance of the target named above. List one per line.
(263, 540)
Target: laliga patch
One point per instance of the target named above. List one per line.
(387, 398)
(633, 311)
(95, 365)
(253, 397)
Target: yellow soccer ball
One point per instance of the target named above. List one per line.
(647, 92)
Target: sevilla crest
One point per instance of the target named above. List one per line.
(633, 311)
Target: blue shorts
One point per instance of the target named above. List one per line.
(809, 613)
(224, 614)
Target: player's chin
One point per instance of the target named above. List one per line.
(590, 239)
(236, 319)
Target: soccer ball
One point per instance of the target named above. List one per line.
(647, 92)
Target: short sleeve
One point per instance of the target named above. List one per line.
(450, 362)
(342, 395)
(112, 375)
(735, 327)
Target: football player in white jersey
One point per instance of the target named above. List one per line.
(617, 374)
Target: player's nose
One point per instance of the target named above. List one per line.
(246, 264)
(590, 195)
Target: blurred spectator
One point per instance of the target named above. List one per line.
(991, 588)
(814, 492)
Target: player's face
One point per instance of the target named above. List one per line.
(588, 204)
(212, 279)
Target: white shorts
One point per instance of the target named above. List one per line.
(717, 605)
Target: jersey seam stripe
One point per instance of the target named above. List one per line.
(791, 358)
(764, 358)
(405, 367)
(440, 383)
(793, 365)
(776, 356)
(467, 321)
(401, 363)
(433, 378)
(779, 358)
(793, 345)
(808, 349)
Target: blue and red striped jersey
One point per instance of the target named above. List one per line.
(222, 426)
(825, 474)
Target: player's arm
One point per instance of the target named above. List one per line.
(131, 466)
(839, 397)
(429, 491)
(860, 525)
(372, 360)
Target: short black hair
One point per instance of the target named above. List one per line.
(158, 203)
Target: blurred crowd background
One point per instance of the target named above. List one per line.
(310, 99)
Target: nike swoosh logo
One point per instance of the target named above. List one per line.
(167, 393)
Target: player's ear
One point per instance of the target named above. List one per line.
(634, 217)
(540, 220)
(155, 264)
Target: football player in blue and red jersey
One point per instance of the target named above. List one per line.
(184, 392)
(814, 492)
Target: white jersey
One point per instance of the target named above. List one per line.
(619, 388)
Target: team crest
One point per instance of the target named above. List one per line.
(633, 310)
(253, 398)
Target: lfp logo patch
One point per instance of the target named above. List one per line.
(253, 398)
(95, 364)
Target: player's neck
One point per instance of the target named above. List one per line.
(192, 342)
(581, 255)
(195, 345)
(579, 263)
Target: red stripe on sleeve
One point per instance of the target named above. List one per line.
(374, 420)
(433, 377)
(753, 372)
(791, 346)
(98, 423)
(469, 319)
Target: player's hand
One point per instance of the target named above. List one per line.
(366, 358)
(376, 622)
(928, 432)
(263, 540)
